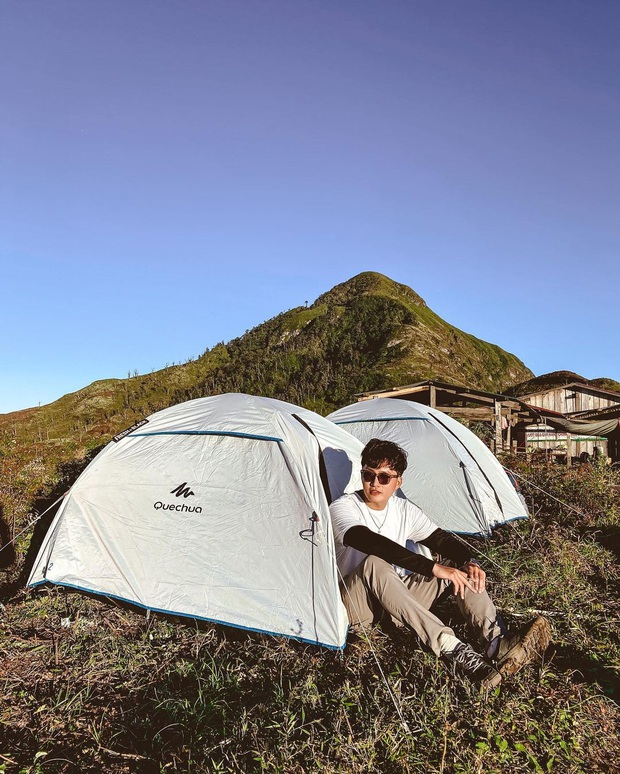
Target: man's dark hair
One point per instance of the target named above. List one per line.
(377, 452)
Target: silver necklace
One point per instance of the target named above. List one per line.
(374, 521)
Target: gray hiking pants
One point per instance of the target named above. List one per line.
(374, 587)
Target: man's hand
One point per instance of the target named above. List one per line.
(476, 575)
(458, 578)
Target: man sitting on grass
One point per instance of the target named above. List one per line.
(381, 575)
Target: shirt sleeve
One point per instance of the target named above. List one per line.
(344, 514)
(420, 526)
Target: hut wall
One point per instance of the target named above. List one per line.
(570, 400)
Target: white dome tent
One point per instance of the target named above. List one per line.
(215, 509)
(452, 475)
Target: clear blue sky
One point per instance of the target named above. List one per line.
(174, 173)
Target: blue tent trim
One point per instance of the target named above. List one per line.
(210, 432)
(188, 615)
(381, 419)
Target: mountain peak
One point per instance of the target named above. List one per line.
(370, 283)
(560, 379)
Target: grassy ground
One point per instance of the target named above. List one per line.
(89, 686)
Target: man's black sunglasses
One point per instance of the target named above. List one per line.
(384, 478)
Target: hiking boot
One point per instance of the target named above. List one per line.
(473, 666)
(521, 648)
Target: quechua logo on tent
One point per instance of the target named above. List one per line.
(182, 489)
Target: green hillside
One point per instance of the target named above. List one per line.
(367, 333)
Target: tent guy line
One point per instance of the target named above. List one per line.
(368, 641)
(553, 497)
(34, 521)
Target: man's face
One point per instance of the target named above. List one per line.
(376, 494)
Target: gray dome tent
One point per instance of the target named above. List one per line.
(452, 475)
(218, 509)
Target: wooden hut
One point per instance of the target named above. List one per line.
(546, 420)
(501, 412)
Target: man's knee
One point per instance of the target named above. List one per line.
(375, 566)
(378, 575)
